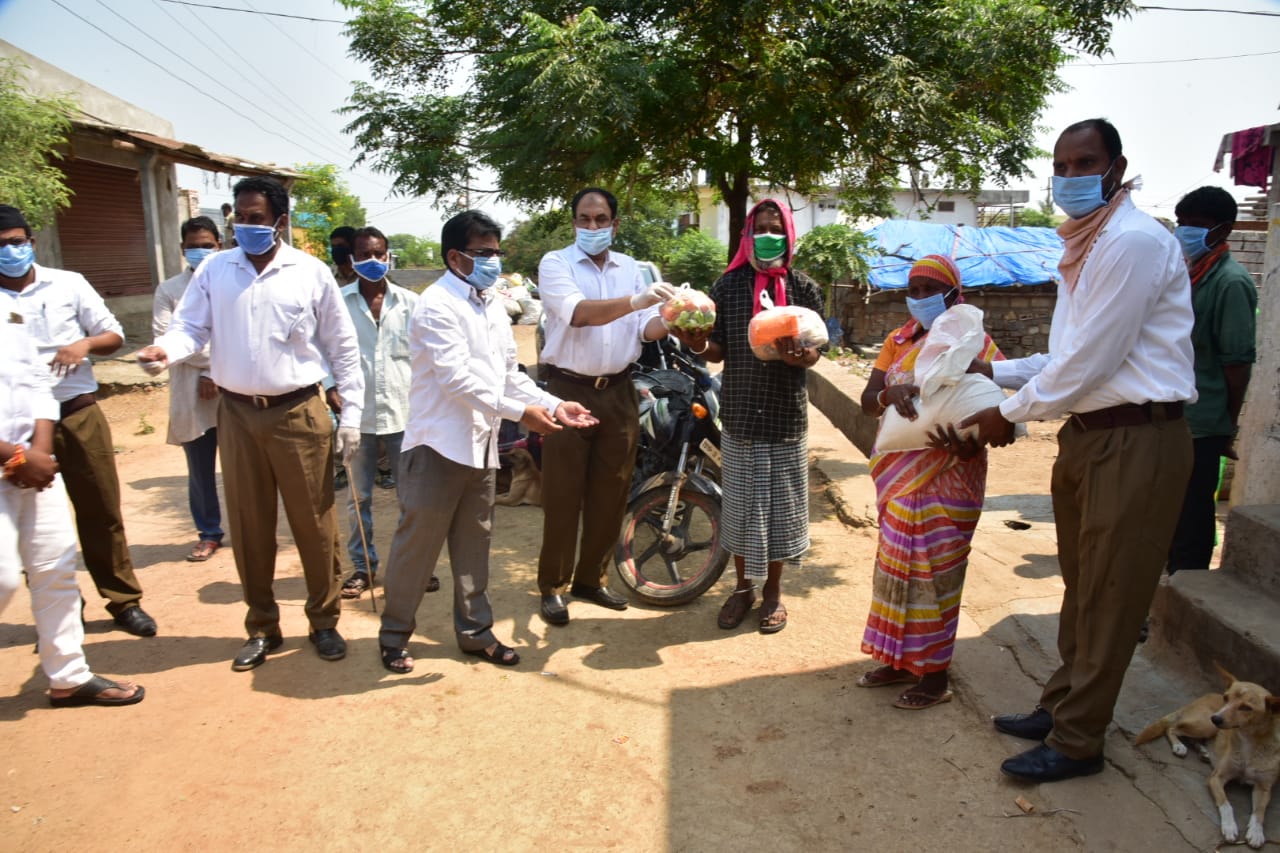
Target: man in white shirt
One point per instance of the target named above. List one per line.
(193, 398)
(380, 311)
(274, 319)
(465, 381)
(68, 321)
(1120, 367)
(599, 314)
(35, 524)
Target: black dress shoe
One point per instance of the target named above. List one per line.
(599, 595)
(1033, 726)
(329, 644)
(136, 621)
(1043, 763)
(554, 610)
(254, 652)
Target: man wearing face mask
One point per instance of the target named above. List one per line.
(1225, 303)
(193, 398)
(1119, 368)
(342, 242)
(274, 319)
(380, 311)
(599, 314)
(465, 381)
(68, 321)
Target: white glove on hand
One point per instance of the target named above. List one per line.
(348, 442)
(655, 294)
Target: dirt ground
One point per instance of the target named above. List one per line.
(650, 729)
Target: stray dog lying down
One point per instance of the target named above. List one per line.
(526, 481)
(1240, 731)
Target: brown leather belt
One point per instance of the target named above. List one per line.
(597, 382)
(264, 401)
(76, 403)
(1128, 414)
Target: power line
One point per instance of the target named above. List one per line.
(255, 12)
(1220, 11)
(169, 72)
(1176, 61)
(321, 62)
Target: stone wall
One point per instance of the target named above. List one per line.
(1250, 248)
(1017, 318)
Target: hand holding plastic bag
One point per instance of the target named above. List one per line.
(803, 325)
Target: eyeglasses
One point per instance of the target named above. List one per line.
(15, 241)
(484, 253)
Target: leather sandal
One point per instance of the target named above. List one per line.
(736, 608)
(354, 586)
(203, 550)
(396, 660)
(499, 655)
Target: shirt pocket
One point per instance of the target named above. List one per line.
(291, 323)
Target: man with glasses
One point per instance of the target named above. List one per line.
(599, 315)
(465, 381)
(274, 318)
(68, 321)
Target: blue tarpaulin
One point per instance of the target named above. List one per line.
(987, 257)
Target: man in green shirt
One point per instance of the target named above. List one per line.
(1225, 302)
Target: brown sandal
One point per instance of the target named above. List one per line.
(883, 676)
(773, 617)
(736, 608)
(203, 550)
(913, 699)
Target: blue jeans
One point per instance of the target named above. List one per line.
(202, 485)
(361, 471)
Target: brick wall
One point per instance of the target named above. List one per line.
(1016, 318)
(1249, 247)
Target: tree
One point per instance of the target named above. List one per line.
(411, 251)
(32, 128)
(323, 202)
(849, 93)
(834, 253)
(698, 258)
(532, 238)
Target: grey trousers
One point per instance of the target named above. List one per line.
(440, 501)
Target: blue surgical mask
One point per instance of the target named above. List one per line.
(1194, 240)
(1078, 197)
(195, 256)
(372, 269)
(16, 260)
(484, 272)
(256, 239)
(926, 310)
(593, 242)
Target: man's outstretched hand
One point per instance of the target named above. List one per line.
(993, 429)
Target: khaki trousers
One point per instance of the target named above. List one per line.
(1116, 498)
(586, 474)
(287, 451)
(86, 458)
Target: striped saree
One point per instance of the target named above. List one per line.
(929, 503)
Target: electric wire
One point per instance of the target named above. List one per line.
(254, 12)
(319, 61)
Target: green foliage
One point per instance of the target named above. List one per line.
(32, 128)
(698, 258)
(417, 252)
(144, 426)
(834, 253)
(853, 93)
(534, 237)
(322, 202)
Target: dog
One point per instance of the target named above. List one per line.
(1241, 729)
(526, 481)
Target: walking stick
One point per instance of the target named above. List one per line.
(355, 501)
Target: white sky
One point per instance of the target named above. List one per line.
(291, 75)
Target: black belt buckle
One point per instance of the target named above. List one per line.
(601, 383)
(260, 401)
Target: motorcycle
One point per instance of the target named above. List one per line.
(669, 549)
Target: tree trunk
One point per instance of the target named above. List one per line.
(735, 196)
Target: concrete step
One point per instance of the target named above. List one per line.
(1202, 618)
(1251, 549)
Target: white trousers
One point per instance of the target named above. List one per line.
(36, 533)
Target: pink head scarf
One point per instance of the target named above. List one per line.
(746, 255)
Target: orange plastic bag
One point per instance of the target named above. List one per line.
(790, 321)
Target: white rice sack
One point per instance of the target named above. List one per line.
(969, 395)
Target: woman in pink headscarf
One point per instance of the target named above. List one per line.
(929, 502)
(764, 412)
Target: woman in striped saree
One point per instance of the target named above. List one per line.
(929, 502)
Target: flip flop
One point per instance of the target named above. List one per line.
(90, 693)
(768, 610)
(203, 550)
(733, 611)
(869, 679)
(928, 701)
(498, 657)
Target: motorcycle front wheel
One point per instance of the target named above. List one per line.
(674, 568)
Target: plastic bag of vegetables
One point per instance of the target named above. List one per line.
(789, 321)
(689, 310)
